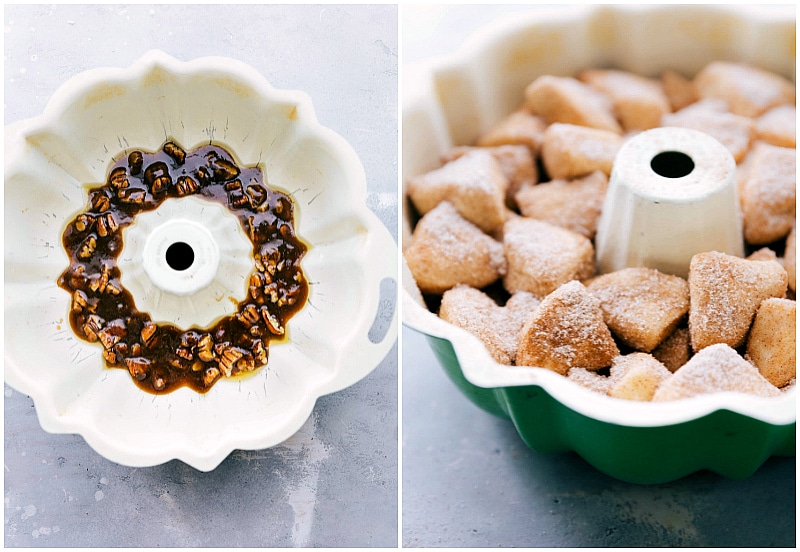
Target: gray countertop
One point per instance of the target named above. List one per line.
(334, 483)
(468, 480)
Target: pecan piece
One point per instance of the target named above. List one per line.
(84, 222)
(132, 195)
(186, 185)
(135, 160)
(272, 321)
(177, 153)
(230, 356)
(79, 300)
(119, 178)
(87, 247)
(256, 194)
(257, 282)
(205, 350)
(100, 202)
(106, 224)
(92, 327)
(248, 316)
(149, 333)
(237, 200)
(159, 381)
(157, 178)
(233, 186)
(223, 170)
(260, 352)
(138, 367)
(210, 375)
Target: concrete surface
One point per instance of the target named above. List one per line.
(468, 480)
(334, 483)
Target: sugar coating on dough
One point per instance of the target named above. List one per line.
(567, 331)
(590, 380)
(716, 368)
(474, 183)
(639, 102)
(517, 163)
(571, 150)
(790, 257)
(725, 292)
(674, 351)
(679, 90)
(749, 91)
(732, 131)
(778, 126)
(573, 204)
(636, 377)
(768, 187)
(567, 100)
(540, 256)
(642, 306)
(519, 128)
(447, 250)
(772, 340)
(763, 254)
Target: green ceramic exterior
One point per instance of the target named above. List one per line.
(724, 442)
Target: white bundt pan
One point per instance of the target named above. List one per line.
(51, 160)
(452, 100)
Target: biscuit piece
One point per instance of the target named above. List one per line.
(768, 193)
(474, 183)
(772, 341)
(516, 162)
(568, 100)
(541, 256)
(731, 130)
(446, 250)
(790, 257)
(476, 312)
(566, 331)
(674, 351)
(641, 306)
(778, 126)
(590, 380)
(572, 204)
(763, 254)
(679, 90)
(715, 368)
(725, 292)
(519, 128)
(639, 102)
(636, 377)
(749, 91)
(572, 150)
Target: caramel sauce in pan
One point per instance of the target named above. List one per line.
(162, 357)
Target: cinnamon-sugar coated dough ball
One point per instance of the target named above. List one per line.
(679, 90)
(749, 91)
(567, 100)
(790, 258)
(725, 292)
(642, 306)
(573, 204)
(733, 131)
(447, 250)
(517, 163)
(768, 193)
(778, 126)
(474, 183)
(476, 312)
(636, 377)
(590, 379)
(567, 331)
(772, 341)
(519, 128)
(715, 368)
(674, 351)
(540, 256)
(639, 102)
(571, 150)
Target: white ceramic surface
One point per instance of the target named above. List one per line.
(657, 221)
(49, 161)
(452, 100)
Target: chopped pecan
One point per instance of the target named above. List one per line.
(159, 381)
(175, 151)
(87, 247)
(92, 327)
(272, 321)
(149, 333)
(186, 185)
(138, 367)
(223, 170)
(237, 200)
(135, 160)
(184, 352)
(84, 222)
(132, 195)
(233, 186)
(230, 356)
(260, 352)
(100, 202)
(106, 224)
(257, 283)
(157, 178)
(119, 178)
(79, 300)
(257, 194)
(110, 356)
(210, 375)
(205, 350)
(248, 316)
